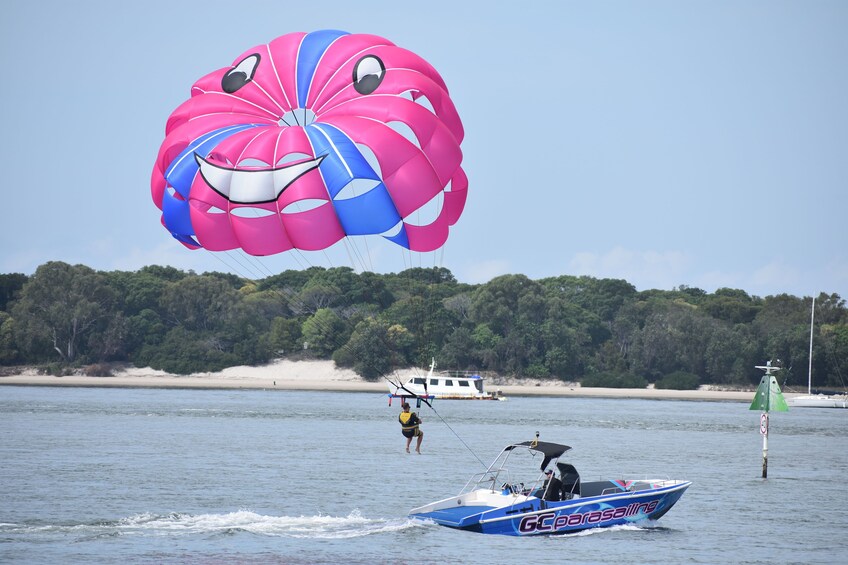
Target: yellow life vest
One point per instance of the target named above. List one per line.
(408, 420)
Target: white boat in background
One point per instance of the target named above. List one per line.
(819, 401)
(811, 400)
(442, 386)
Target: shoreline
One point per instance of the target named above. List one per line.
(324, 376)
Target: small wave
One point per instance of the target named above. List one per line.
(321, 526)
(640, 527)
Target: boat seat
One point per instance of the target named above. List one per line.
(552, 491)
(570, 481)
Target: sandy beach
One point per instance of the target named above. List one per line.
(323, 375)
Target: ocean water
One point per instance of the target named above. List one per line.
(92, 475)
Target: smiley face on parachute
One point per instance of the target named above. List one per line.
(309, 139)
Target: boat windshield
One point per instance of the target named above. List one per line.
(517, 476)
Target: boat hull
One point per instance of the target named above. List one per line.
(819, 401)
(527, 516)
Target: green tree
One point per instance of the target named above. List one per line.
(137, 290)
(109, 344)
(317, 294)
(245, 332)
(505, 301)
(324, 332)
(566, 338)
(460, 305)
(198, 303)
(10, 285)
(372, 289)
(831, 372)
(459, 350)
(782, 328)
(286, 336)
(289, 282)
(732, 306)
(374, 349)
(351, 289)
(672, 338)
(487, 343)
(512, 308)
(8, 347)
(264, 304)
(144, 329)
(602, 297)
(607, 359)
(724, 347)
(428, 276)
(63, 306)
(168, 274)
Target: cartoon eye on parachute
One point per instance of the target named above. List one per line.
(307, 140)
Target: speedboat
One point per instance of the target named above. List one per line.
(493, 502)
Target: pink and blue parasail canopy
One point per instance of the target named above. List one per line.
(309, 139)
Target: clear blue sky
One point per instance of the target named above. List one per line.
(700, 143)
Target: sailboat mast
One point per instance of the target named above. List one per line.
(810, 369)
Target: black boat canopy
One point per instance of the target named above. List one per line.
(548, 449)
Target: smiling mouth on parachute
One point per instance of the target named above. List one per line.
(259, 186)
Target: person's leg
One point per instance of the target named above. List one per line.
(408, 442)
(418, 445)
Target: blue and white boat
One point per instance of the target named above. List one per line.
(494, 502)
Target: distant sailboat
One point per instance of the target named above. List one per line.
(811, 400)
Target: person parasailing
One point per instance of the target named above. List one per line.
(410, 427)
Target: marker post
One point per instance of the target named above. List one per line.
(768, 397)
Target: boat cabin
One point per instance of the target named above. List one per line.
(453, 385)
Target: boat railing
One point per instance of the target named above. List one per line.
(456, 373)
(636, 484)
(493, 477)
(500, 480)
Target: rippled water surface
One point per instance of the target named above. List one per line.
(93, 475)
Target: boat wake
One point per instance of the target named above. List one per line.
(645, 525)
(353, 525)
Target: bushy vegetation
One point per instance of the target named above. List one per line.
(601, 332)
(613, 380)
(678, 380)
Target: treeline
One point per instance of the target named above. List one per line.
(65, 317)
